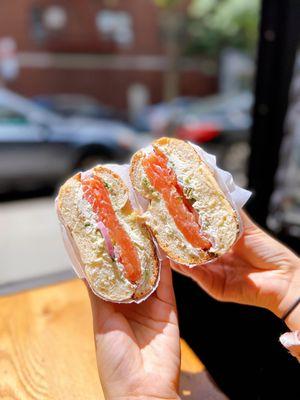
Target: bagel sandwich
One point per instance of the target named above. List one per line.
(188, 212)
(114, 245)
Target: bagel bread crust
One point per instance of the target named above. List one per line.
(105, 275)
(219, 221)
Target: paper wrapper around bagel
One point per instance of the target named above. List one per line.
(71, 248)
(236, 195)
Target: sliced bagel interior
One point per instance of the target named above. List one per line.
(188, 212)
(115, 246)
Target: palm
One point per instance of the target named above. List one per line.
(232, 278)
(138, 349)
(253, 272)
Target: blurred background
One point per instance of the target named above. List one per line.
(95, 80)
(91, 81)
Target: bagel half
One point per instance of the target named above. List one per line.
(189, 207)
(115, 246)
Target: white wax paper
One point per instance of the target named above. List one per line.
(237, 196)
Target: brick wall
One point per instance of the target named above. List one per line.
(108, 85)
(16, 19)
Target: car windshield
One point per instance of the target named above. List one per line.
(9, 116)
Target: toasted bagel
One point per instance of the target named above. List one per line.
(100, 249)
(204, 202)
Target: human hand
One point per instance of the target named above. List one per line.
(137, 345)
(257, 271)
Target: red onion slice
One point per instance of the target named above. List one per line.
(86, 174)
(106, 237)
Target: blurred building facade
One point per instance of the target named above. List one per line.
(95, 47)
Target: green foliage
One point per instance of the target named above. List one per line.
(218, 23)
(167, 3)
(214, 24)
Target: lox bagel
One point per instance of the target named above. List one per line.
(188, 212)
(114, 245)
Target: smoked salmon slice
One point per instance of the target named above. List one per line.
(164, 180)
(95, 192)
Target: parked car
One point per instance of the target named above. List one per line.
(158, 117)
(39, 147)
(226, 117)
(70, 104)
(220, 124)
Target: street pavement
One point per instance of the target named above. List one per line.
(31, 248)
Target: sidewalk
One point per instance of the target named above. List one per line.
(31, 248)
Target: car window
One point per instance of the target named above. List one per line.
(11, 116)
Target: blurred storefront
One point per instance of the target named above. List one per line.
(100, 48)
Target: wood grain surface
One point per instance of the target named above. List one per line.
(47, 347)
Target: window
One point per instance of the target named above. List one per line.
(115, 26)
(9, 116)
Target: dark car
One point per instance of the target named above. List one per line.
(39, 147)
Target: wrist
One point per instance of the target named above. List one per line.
(293, 319)
(142, 397)
(140, 394)
(293, 293)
